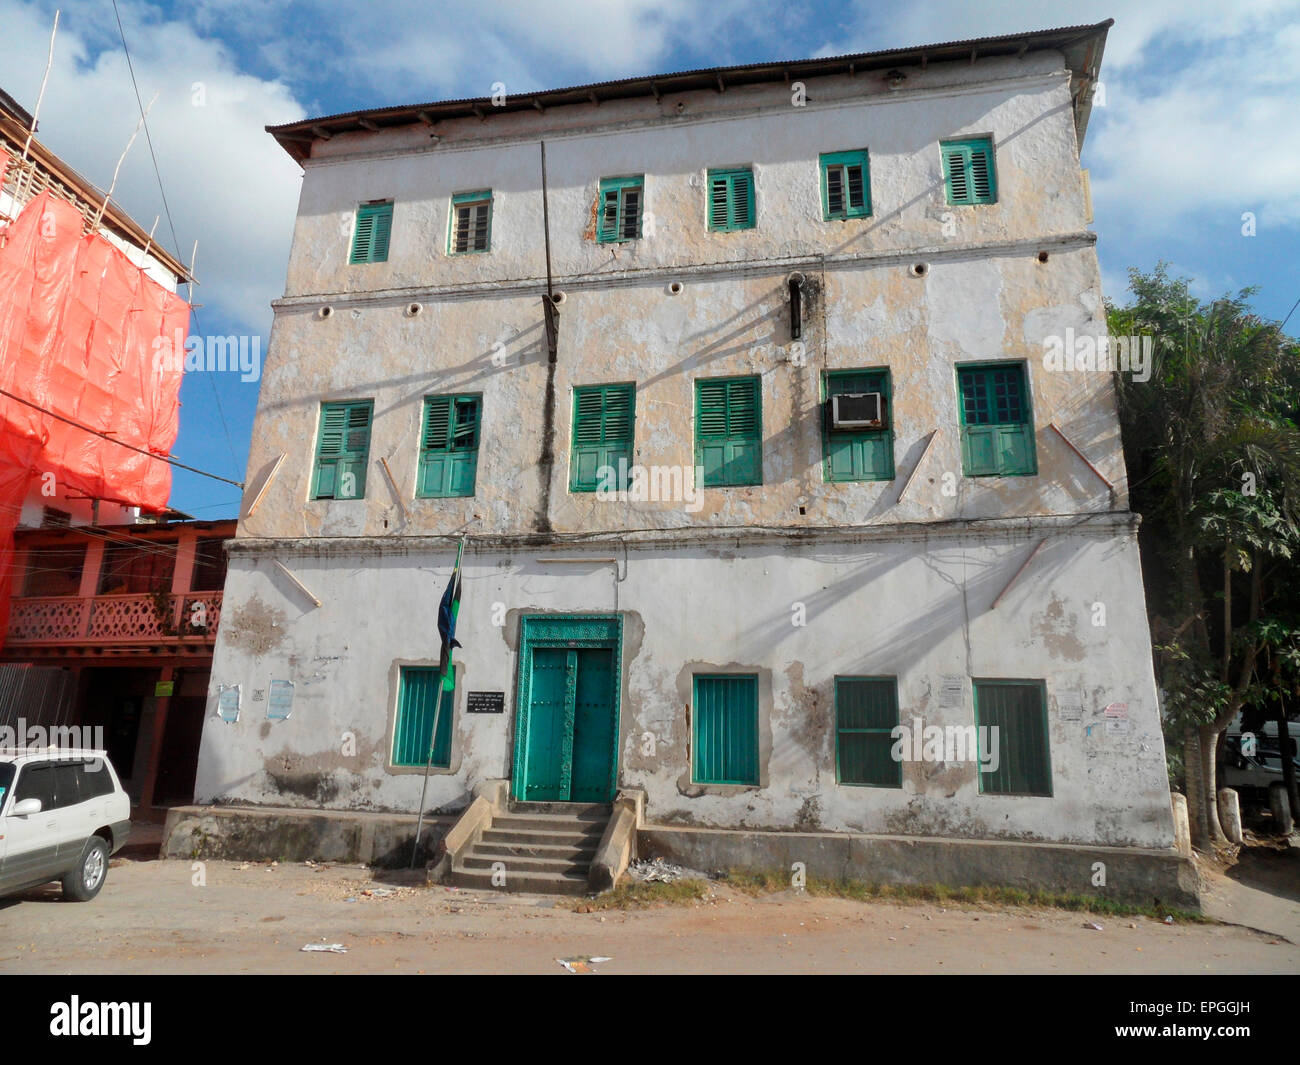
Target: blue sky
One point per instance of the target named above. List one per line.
(1198, 127)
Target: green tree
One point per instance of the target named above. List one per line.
(1213, 455)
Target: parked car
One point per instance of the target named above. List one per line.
(1252, 774)
(62, 813)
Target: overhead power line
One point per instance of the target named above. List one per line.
(121, 443)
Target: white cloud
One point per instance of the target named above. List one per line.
(229, 185)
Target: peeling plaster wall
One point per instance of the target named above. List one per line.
(479, 328)
(894, 588)
(917, 607)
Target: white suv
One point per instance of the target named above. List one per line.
(62, 813)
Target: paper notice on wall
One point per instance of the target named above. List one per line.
(952, 686)
(1119, 710)
(228, 703)
(280, 705)
(1116, 725)
(1071, 711)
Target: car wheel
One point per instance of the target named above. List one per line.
(84, 882)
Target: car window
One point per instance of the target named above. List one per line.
(67, 786)
(6, 780)
(95, 779)
(36, 782)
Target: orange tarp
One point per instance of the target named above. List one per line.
(86, 334)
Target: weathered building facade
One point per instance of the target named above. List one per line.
(782, 576)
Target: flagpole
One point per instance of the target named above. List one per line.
(433, 736)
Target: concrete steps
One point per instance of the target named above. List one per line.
(546, 848)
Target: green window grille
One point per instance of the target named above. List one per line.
(997, 430)
(968, 173)
(471, 222)
(846, 189)
(726, 729)
(418, 691)
(866, 712)
(729, 431)
(731, 200)
(621, 200)
(1017, 710)
(858, 454)
(603, 423)
(370, 236)
(342, 450)
(449, 446)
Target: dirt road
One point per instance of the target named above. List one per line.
(228, 917)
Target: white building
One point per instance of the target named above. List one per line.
(727, 249)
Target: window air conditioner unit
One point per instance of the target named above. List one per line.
(858, 410)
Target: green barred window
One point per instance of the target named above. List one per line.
(726, 729)
(997, 431)
(417, 695)
(1015, 714)
(866, 712)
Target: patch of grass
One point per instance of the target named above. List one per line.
(766, 883)
(631, 895)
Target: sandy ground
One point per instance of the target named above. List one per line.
(164, 917)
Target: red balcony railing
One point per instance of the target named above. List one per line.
(109, 619)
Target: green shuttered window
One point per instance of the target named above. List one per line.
(726, 729)
(997, 429)
(449, 446)
(731, 200)
(846, 188)
(859, 454)
(342, 450)
(471, 222)
(370, 237)
(603, 424)
(1018, 711)
(620, 209)
(866, 711)
(729, 430)
(417, 691)
(968, 173)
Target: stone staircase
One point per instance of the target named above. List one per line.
(539, 847)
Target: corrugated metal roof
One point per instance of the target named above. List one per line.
(1081, 45)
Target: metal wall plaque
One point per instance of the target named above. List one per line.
(485, 702)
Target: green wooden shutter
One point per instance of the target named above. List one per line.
(342, 450)
(968, 171)
(858, 455)
(370, 237)
(728, 430)
(620, 201)
(1018, 710)
(417, 695)
(845, 185)
(866, 712)
(731, 200)
(604, 418)
(726, 729)
(997, 433)
(449, 447)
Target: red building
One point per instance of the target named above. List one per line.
(113, 627)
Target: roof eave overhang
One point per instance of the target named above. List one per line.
(1081, 45)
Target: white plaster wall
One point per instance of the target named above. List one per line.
(917, 607)
(1023, 104)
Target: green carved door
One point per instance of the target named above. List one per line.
(568, 729)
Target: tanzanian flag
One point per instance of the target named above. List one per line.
(447, 612)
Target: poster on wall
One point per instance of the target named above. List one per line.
(228, 703)
(280, 703)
